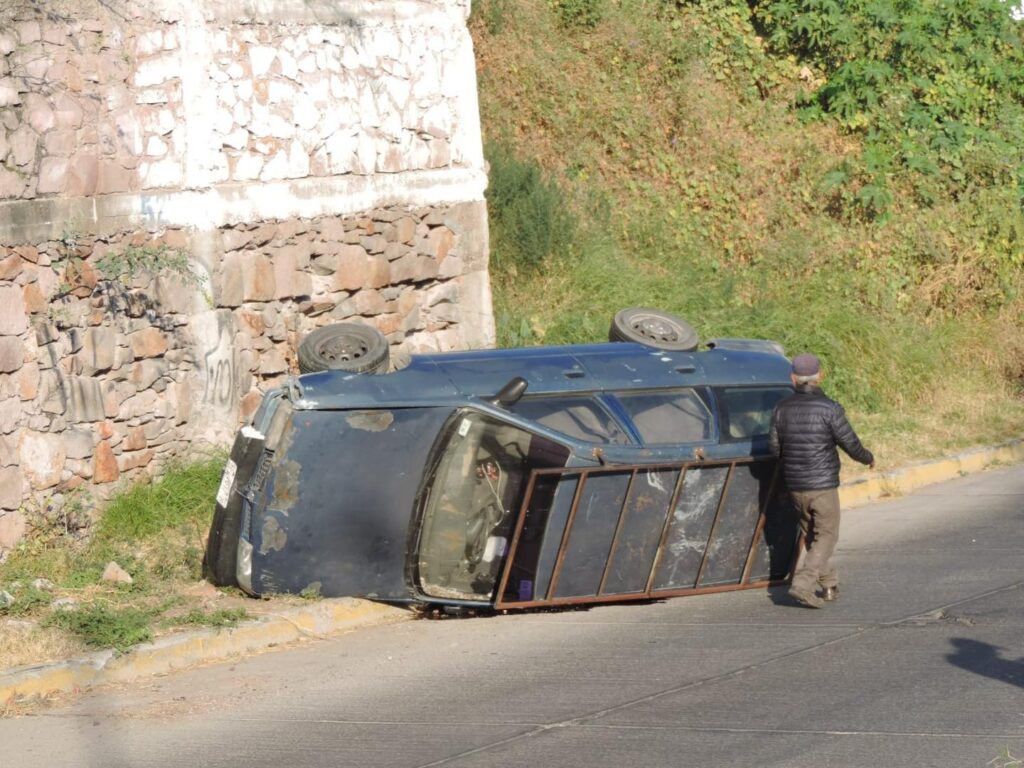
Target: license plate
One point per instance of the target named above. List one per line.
(227, 481)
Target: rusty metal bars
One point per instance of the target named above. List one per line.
(714, 524)
(648, 592)
(563, 545)
(618, 530)
(670, 513)
(759, 528)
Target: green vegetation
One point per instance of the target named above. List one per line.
(224, 617)
(26, 602)
(530, 222)
(181, 499)
(155, 531)
(935, 89)
(134, 260)
(101, 626)
(704, 158)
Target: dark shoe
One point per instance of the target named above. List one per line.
(806, 598)
(828, 594)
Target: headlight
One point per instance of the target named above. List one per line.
(243, 568)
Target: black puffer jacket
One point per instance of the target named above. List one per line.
(806, 428)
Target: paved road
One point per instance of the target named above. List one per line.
(920, 663)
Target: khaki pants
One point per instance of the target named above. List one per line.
(819, 523)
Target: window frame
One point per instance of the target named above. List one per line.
(702, 393)
(723, 408)
(597, 399)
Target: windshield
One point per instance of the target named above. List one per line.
(474, 495)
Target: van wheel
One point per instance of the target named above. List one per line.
(344, 347)
(653, 328)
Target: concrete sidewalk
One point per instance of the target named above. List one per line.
(333, 616)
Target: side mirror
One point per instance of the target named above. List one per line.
(510, 393)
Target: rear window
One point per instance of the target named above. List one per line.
(581, 418)
(665, 418)
(747, 411)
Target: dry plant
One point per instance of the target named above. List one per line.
(24, 642)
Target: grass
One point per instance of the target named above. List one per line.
(225, 617)
(23, 643)
(103, 626)
(155, 530)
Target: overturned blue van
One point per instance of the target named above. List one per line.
(515, 478)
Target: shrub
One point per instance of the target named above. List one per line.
(936, 89)
(578, 14)
(529, 214)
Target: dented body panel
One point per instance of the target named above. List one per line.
(340, 519)
(623, 473)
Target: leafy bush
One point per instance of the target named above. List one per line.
(529, 215)
(578, 14)
(936, 89)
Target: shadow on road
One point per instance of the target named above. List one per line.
(986, 660)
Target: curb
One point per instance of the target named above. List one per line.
(324, 618)
(328, 617)
(899, 482)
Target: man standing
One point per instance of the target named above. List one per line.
(805, 430)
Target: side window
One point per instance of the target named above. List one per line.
(579, 417)
(665, 418)
(747, 412)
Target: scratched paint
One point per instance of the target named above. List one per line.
(286, 485)
(273, 537)
(370, 421)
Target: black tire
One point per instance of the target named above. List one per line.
(653, 328)
(344, 347)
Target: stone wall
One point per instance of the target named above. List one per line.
(186, 191)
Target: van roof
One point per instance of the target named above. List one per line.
(449, 377)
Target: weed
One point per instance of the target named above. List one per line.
(182, 496)
(26, 602)
(311, 592)
(934, 88)
(224, 617)
(135, 260)
(154, 530)
(492, 13)
(1005, 760)
(102, 626)
(528, 211)
(578, 14)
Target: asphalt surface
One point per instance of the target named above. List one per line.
(919, 663)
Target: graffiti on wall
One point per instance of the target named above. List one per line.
(220, 367)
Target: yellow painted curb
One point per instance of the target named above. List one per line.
(899, 482)
(320, 619)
